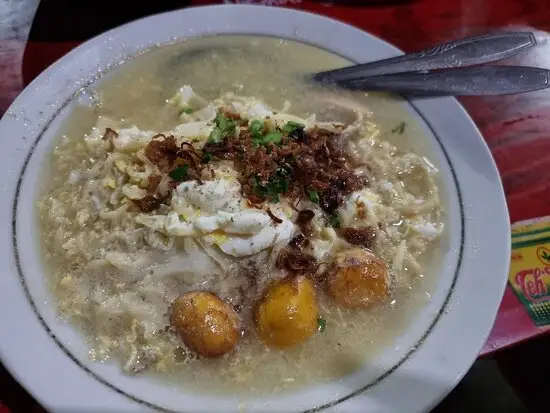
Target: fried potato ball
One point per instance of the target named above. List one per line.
(206, 324)
(288, 313)
(359, 279)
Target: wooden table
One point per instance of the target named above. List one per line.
(517, 128)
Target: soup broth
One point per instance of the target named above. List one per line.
(136, 94)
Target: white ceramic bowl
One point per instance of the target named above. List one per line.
(50, 358)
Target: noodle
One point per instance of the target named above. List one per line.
(117, 268)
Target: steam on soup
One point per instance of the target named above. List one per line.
(216, 219)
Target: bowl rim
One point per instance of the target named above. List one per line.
(500, 212)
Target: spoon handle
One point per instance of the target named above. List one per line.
(466, 81)
(459, 53)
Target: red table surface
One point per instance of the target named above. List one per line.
(515, 127)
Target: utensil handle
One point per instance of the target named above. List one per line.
(467, 81)
(459, 53)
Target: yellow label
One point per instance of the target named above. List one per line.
(530, 267)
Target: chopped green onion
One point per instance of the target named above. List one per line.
(271, 190)
(313, 196)
(321, 324)
(179, 173)
(206, 157)
(291, 126)
(224, 127)
(257, 139)
(399, 129)
(272, 137)
(225, 124)
(258, 187)
(256, 127)
(187, 110)
(274, 187)
(284, 185)
(334, 221)
(215, 136)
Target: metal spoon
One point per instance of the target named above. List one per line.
(467, 81)
(414, 73)
(457, 53)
